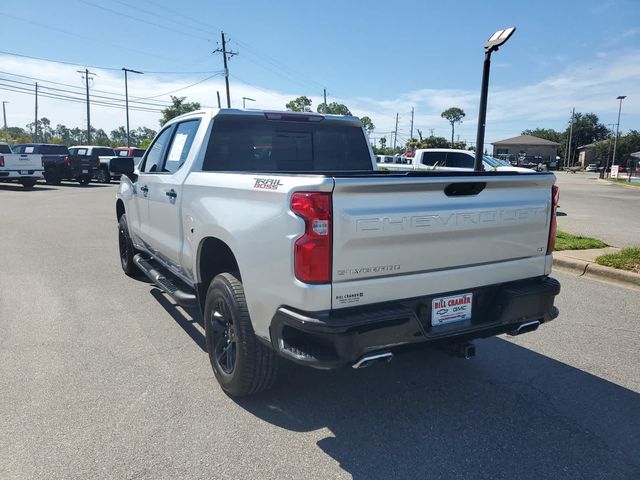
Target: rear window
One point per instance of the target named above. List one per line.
(78, 151)
(4, 148)
(103, 152)
(52, 149)
(256, 144)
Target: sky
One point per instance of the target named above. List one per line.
(379, 58)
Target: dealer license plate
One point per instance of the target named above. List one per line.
(85, 171)
(455, 308)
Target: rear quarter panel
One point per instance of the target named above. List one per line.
(259, 228)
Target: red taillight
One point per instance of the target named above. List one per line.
(1, 161)
(555, 199)
(312, 251)
(67, 161)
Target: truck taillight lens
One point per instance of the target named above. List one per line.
(555, 199)
(67, 161)
(1, 161)
(312, 251)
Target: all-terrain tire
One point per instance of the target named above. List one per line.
(254, 366)
(103, 175)
(126, 248)
(52, 178)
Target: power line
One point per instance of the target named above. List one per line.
(54, 89)
(62, 62)
(54, 96)
(180, 89)
(145, 21)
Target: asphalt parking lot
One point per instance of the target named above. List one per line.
(103, 377)
(599, 209)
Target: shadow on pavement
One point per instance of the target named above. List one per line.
(510, 413)
(12, 187)
(186, 318)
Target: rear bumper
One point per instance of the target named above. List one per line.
(18, 174)
(337, 338)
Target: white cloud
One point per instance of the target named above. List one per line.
(587, 87)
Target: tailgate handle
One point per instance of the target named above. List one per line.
(464, 189)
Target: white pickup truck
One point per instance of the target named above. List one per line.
(279, 228)
(23, 168)
(449, 159)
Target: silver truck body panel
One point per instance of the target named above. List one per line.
(393, 237)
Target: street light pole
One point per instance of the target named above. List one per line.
(606, 165)
(247, 98)
(4, 113)
(126, 98)
(615, 141)
(492, 45)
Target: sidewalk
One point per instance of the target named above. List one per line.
(583, 262)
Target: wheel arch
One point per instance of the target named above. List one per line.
(214, 257)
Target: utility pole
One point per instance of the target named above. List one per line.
(395, 135)
(87, 75)
(218, 94)
(431, 131)
(411, 134)
(567, 156)
(324, 91)
(35, 125)
(225, 56)
(4, 113)
(126, 99)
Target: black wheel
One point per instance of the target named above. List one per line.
(241, 363)
(51, 178)
(84, 179)
(127, 250)
(103, 175)
(28, 182)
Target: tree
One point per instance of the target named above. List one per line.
(434, 142)
(300, 104)
(453, 115)
(333, 108)
(178, 107)
(383, 142)
(367, 124)
(587, 129)
(546, 133)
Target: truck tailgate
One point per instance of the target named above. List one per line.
(22, 161)
(403, 237)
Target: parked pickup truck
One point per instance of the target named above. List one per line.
(449, 159)
(103, 155)
(19, 167)
(58, 163)
(279, 228)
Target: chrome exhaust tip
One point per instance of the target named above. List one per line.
(525, 328)
(368, 360)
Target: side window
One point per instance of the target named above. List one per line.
(459, 160)
(153, 160)
(433, 158)
(181, 143)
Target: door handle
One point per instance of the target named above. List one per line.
(171, 193)
(144, 189)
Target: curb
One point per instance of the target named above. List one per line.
(600, 272)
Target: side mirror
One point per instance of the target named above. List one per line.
(122, 166)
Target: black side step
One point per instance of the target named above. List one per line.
(165, 280)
